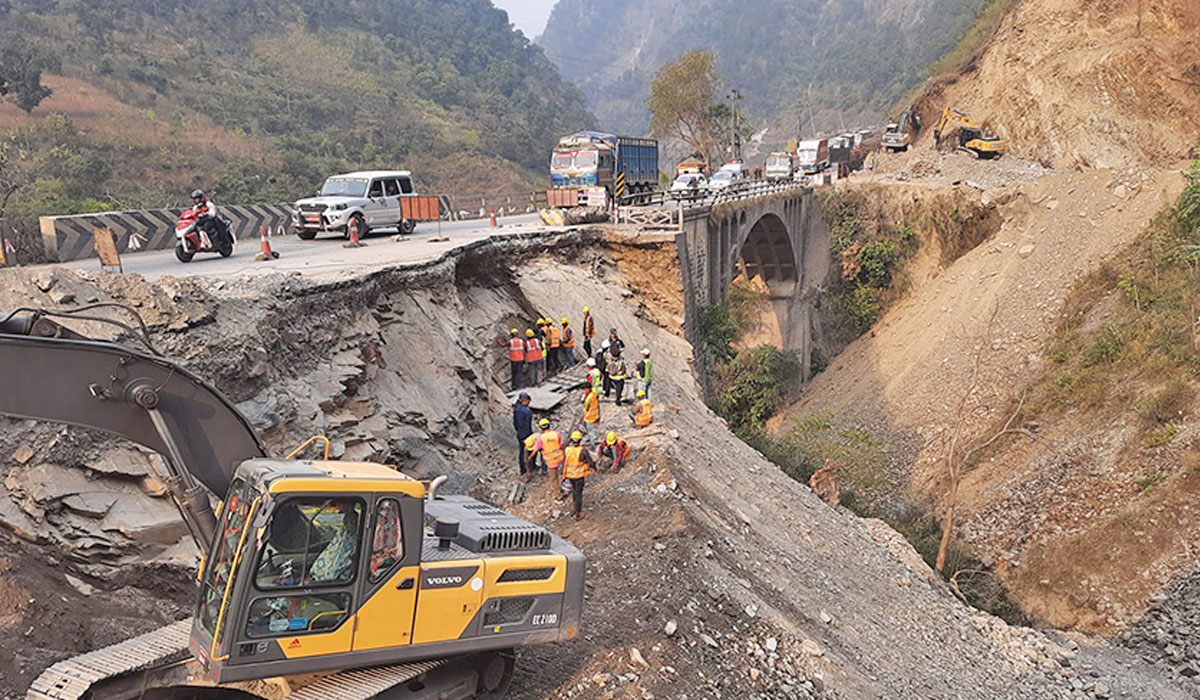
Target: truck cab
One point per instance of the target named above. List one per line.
(813, 155)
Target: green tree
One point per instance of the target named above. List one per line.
(681, 102)
(21, 68)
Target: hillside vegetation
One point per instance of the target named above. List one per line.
(841, 62)
(261, 101)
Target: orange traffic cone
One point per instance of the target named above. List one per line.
(492, 213)
(267, 253)
(352, 229)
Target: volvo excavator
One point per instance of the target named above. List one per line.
(957, 131)
(319, 580)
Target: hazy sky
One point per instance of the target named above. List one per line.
(529, 15)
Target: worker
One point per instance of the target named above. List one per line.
(614, 340)
(534, 357)
(589, 330)
(578, 466)
(614, 453)
(516, 357)
(568, 343)
(616, 372)
(594, 375)
(602, 363)
(550, 444)
(642, 413)
(644, 371)
(553, 347)
(523, 424)
(591, 414)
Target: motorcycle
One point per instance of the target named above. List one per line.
(192, 238)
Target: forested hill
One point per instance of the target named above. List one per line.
(849, 60)
(261, 99)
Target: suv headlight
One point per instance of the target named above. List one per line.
(340, 206)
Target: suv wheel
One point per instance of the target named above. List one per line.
(406, 226)
(356, 220)
(306, 234)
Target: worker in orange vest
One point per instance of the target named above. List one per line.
(577, 466)
(614, 452)
(550, 444)
(553, 343)
(535, 358)
(642, 414)
(568, 343)
(591, 414)
(516, 357)
(589, 330)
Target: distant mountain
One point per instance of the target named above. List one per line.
(261, 99)
(847, 60)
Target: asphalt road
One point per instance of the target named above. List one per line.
(324, 254)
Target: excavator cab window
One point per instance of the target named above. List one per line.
(224, 552)
(312, 542)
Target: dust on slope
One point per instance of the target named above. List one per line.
(1084, 83)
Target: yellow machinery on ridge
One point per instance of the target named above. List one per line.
(959, 131)
(320, 579)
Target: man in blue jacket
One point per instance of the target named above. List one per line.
(523, 424)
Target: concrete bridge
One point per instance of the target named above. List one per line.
(777, 235)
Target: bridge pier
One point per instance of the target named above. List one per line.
(780, 238)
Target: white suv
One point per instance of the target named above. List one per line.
(371, 198)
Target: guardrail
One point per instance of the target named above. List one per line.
(669, 209)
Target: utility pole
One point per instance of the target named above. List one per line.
(735, 99)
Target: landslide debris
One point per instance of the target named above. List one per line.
(712, 574)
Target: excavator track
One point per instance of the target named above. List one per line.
(152, 661)
(70, 679)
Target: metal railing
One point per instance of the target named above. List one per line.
(667, 209)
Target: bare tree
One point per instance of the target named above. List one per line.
(681, 102)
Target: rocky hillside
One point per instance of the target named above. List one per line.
(1081, 84)
(847, 62)
(260, 101)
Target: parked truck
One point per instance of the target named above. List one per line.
(625, 166)
(813, 155)
(781, 165)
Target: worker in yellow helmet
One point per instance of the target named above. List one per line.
(568, 343)
(614, 453)
(577, 465)
(535, 358)
(516, 357)
(589, 330)
(642, 413)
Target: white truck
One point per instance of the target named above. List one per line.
(368, 199)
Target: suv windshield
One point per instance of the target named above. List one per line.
(723, 175)
(344, 187)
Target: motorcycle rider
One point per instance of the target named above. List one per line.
(206, 218)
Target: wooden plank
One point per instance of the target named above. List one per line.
(106, 248)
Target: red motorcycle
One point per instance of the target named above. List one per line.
(193, 238)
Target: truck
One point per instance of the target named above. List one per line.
(781, 165)
(813, 155)
(319, 578)
(625, 166)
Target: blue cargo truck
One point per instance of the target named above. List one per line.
(625, 166)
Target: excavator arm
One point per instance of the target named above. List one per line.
(50, 373)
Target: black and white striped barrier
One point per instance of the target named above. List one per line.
(70, 237)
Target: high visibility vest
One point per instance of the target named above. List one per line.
(591, 408)
(568, 337)
(552, 450)
(589, 326)
(616, 369)
(594, 376)
(516, 350)
(648, 370)
(620, 450)
(645, 416)
(534, 354)
(554, 336)
(576, 468)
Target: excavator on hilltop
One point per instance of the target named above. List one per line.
(957, 131)
(320, 580)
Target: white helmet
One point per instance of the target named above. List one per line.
(591, 362)
(606, 345)
(646, 351)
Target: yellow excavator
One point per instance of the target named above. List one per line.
(956, 130)
(320, 580)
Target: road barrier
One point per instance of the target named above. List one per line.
(67, 238)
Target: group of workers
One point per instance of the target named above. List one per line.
(564, 460)
(546, 350)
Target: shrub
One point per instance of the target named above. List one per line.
(754, 385)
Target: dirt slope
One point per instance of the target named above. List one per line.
(772, 593)
(1085, 83)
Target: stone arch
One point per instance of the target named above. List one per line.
(766, 251)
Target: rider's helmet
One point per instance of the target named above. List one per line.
(197, 195)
